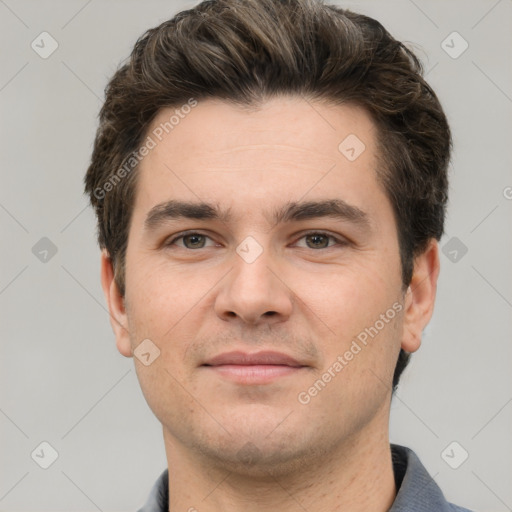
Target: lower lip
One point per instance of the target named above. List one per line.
(254, 374)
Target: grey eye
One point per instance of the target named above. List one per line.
(194, 241)
(317, 241)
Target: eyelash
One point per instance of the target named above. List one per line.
(304, 235)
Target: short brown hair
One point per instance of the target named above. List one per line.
(246, 51)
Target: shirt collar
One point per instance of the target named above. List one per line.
(417, 490)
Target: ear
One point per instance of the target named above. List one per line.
(420, 296)
(116, 306)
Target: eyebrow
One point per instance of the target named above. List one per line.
(292, 211)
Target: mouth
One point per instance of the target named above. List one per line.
(257, 368)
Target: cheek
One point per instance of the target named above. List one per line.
(356, 312)
(157, 294)
(170, 306)
(347, 297)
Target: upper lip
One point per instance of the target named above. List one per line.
(257, 358)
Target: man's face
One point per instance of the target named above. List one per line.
(255, 299)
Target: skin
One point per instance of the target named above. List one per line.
(239, 446)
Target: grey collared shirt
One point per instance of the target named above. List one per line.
(417, 491)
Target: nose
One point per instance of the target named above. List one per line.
(252, 293)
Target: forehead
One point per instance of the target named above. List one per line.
(287, 149)
(286, 122)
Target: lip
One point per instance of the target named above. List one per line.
(257, 368)
(240, 358)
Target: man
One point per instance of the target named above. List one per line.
(270, 183)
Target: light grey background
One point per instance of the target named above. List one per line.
(62, 379)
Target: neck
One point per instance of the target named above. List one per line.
(355, 477)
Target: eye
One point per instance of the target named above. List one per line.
(318, 240)
(190, 240)
(312, 240)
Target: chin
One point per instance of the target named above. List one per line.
(259, 449)
(257, 461)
